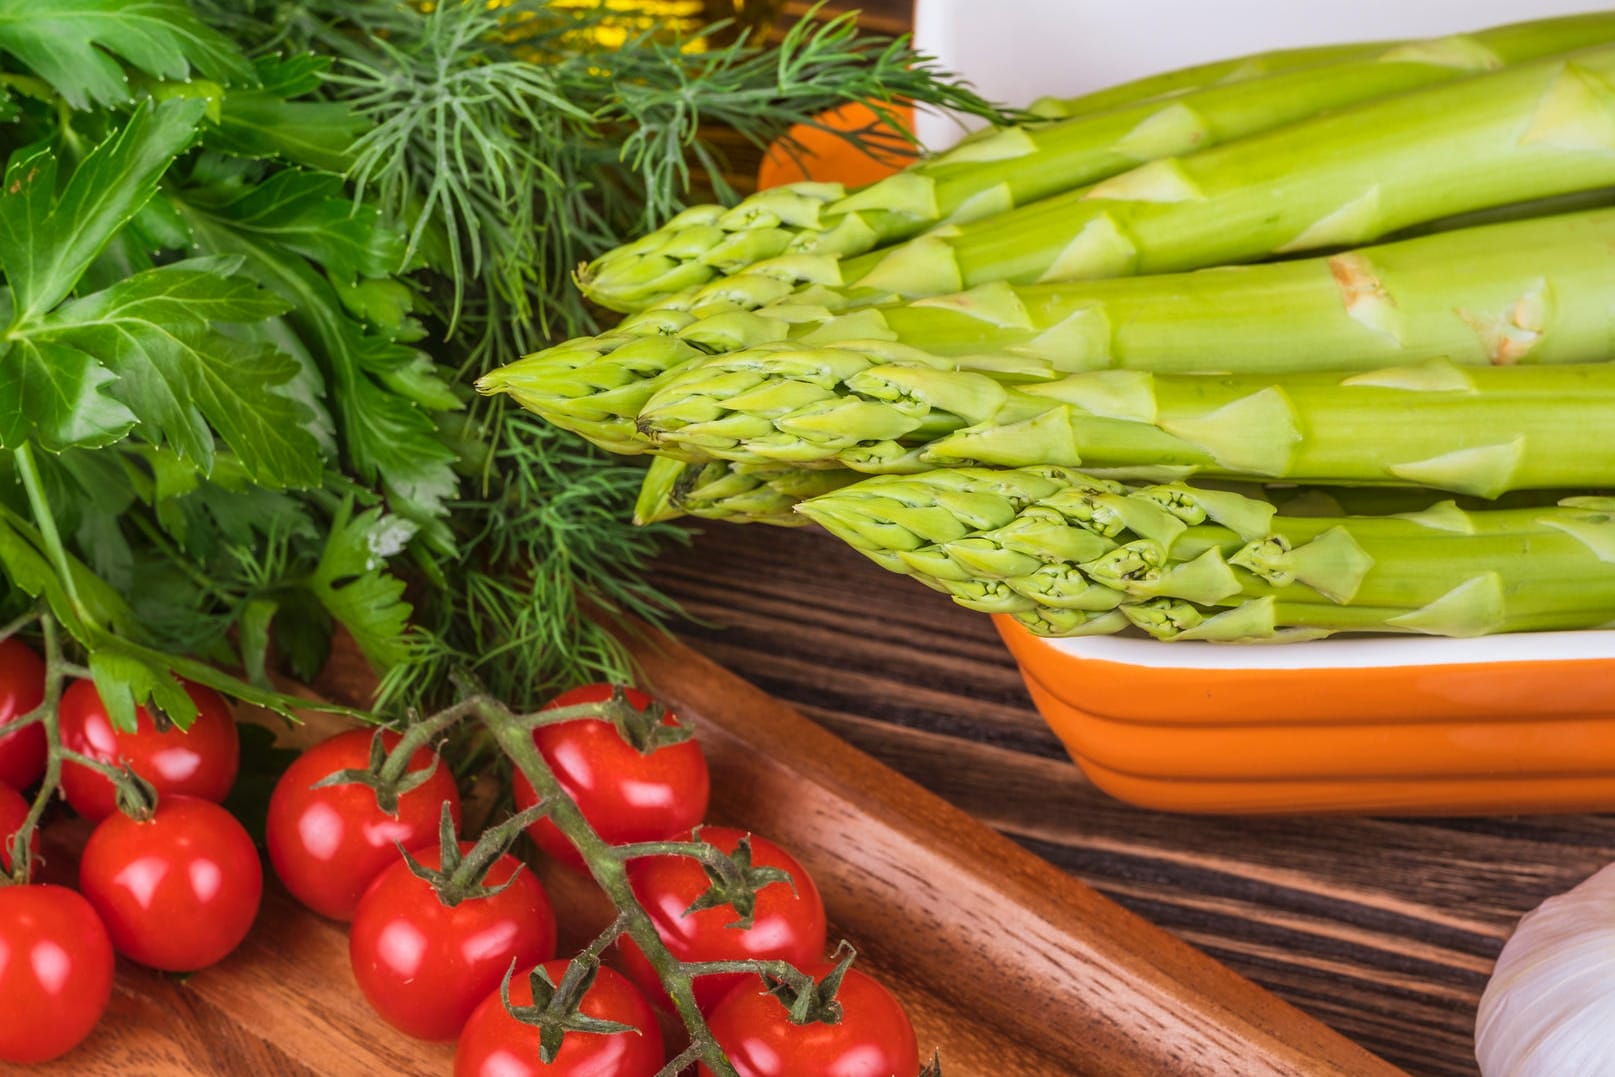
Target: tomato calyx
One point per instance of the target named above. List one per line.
(814, 1002)
(388, 775)
(646, 731)
(462, 875)
(556, 1006)
(135, 796)
(933, 1068)
(735, 880)
(735, 883)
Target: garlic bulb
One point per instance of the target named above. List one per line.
(1549, 1008)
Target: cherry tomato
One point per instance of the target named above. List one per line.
(328, 844)
(495, 1044)
(625, 795)
(788, 925)
(423, 965)
(22, 686)
(197, 762)
(55, 971)
(13, 810)
(872, 1039)
(178, 891)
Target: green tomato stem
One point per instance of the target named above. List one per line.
(609, 869)
(45, 713)
(493, 843)
(779, 970)
(417, 736)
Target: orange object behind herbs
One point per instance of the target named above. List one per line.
(824, 155)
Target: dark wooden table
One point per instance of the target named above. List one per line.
(1384, 929)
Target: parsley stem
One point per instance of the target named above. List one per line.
(28, 470)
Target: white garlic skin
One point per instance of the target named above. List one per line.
(1549, 1008)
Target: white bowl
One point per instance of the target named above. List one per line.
(1017, 50)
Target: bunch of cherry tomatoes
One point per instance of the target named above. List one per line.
(448, 940)
(175, 886)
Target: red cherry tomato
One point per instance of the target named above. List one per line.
(178, 891)
(55, 971)
(872, 1039)
(13, 810)
(789, 925)
(197, 762)
(625, 796)
(328, 844)
(423, 965)
(22, 686)
(495, 1044)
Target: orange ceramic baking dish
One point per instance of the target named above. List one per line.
(1504, 724)
(1508, 723)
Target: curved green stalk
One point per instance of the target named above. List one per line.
(1533, 131)
(737, 493)
(1180, 80)
(1068, 553)
(1480, 430)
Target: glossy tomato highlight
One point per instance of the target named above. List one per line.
(328, 844)
(625, 794)
(423, 965)
(178, 891)
(495, 1044)
(197, 762)
(873, 1037)
(55, 972)
(22, 687)
(789, 924)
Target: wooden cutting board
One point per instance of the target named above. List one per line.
(1007, 965)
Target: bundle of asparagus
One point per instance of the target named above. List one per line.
(1533, 131)
(815, 224)
(1198, 278)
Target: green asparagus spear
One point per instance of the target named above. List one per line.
(1533, 290)
(1178, 81)
(733, 492)
(1535, 130)
(1067, 553)
(818, 223)
(1480, 430)
(594, 386)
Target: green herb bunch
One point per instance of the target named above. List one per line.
(255, 252)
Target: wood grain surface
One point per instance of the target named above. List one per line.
(1384, 929)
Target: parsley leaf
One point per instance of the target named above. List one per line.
(74, 45)
(54, 394)
(178, 373)
(352, 585)
(266, 123)
(51, 390)
(47, 241)
(278, 227)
